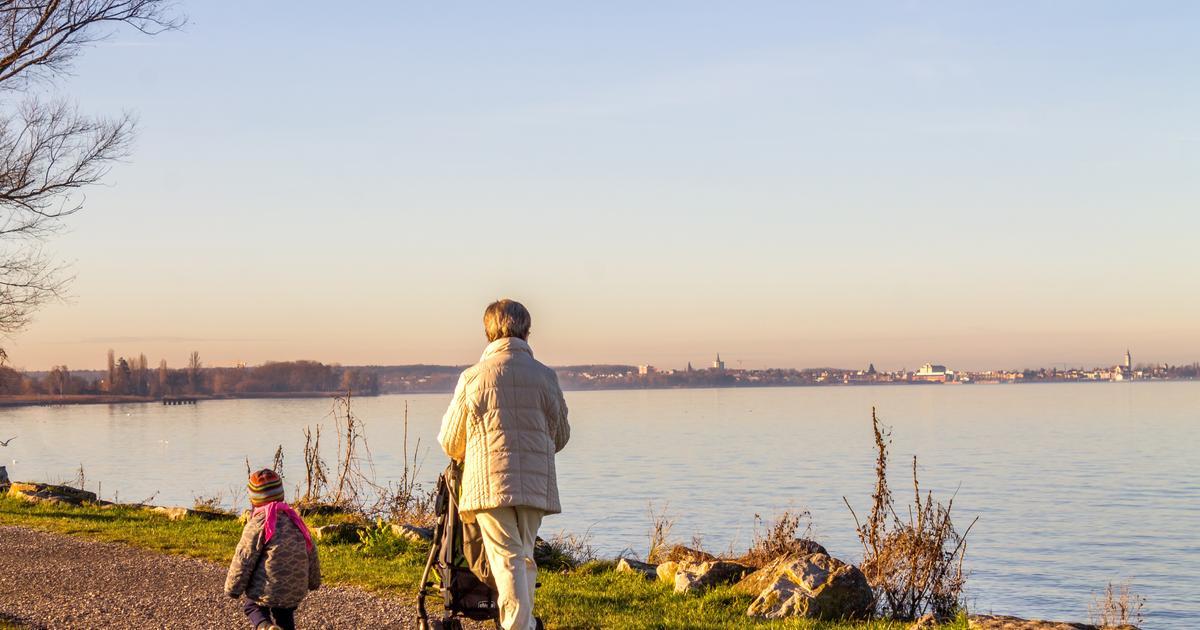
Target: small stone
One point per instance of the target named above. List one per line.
(412, 533)
(666, 572)
(692, 577)
(172, 513)
(648, 571)
(338, 533)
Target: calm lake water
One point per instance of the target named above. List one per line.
(1075, 484)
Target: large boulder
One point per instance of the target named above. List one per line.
(1004, 622)
(693, 577)
(627, 565)
(4, 482)
(815, 587)
(46, 493)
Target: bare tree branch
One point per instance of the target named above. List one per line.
(49, 152)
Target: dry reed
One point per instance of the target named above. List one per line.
(1117, 607)
(915, 565)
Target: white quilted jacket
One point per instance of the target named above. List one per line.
(507, 420)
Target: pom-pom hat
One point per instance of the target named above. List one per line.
(265, 487)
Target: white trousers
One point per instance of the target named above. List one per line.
(508, 535)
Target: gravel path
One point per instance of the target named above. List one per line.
(59, 582)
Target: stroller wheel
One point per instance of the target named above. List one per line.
(449, 623)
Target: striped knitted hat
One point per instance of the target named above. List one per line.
(265, 487)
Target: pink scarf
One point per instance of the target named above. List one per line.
(272, 509)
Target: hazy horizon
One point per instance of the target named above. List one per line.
(791, 185)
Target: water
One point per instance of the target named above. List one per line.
(1074, 484)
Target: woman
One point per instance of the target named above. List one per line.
(507, 420)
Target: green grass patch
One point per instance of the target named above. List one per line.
(592, 596)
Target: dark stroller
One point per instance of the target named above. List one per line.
(457, 562)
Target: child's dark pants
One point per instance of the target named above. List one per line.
(282, 617)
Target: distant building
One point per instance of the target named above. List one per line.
(718, 364)
(689, 367)
(645, 370)
(933, 373)
(1128, 360)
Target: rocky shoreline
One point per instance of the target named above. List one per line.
(804, 583)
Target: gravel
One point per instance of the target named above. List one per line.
(58, 582)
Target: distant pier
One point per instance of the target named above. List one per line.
(178, 400)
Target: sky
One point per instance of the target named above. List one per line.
(791, 184)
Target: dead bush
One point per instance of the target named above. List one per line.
(779, 538)
(1117, 607)
(660, 532)
(914, 564)
(564, 551)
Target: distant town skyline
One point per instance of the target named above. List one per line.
(716, 362)
(797, 184)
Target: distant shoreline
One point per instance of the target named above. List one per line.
(41, 400)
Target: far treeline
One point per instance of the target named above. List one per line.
(133, 376)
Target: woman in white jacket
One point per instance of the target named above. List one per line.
(507, 420)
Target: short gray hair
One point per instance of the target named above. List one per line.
(506, 318)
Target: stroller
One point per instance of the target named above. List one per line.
(457, 561)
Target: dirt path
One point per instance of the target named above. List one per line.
(59, 582)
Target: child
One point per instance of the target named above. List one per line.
(275, 564)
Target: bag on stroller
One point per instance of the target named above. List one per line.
(457, 562)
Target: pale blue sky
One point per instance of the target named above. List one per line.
(791, 184)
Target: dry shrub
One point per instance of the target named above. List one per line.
(564, 551)
(213, 504)
(914, 564)
(354, 488)
(660, 532)
(405, 500)
(779, 539)
(316, 472)
(1117, 607)
(355, 470)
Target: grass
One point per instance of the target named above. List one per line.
(591, 596)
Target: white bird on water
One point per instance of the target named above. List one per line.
(5, 442)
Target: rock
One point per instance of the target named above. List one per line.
(181, 513)
(312, 508)
(412, 533)
(41, 492)
(666, 571)
(339, 533)
(692, 577)
(4, 482)
(814, 587)
(172, 513)
(805, 547)
(211, 515)
(648, 571)
(1003, 622)
(679, 553)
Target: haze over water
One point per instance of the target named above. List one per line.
(1075, 485)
